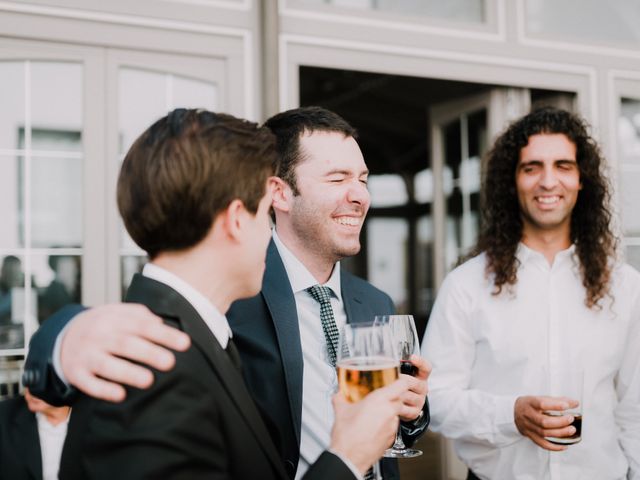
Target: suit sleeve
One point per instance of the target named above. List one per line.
(330, 466)
(170, 431)
(39, 375)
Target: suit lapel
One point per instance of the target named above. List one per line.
(277, 293)
(166, 302)
(27, 440)
(356, 310)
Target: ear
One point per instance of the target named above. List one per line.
(282, 194)
(233, 218)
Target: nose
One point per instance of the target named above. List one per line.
(358, 193)
(549, 178)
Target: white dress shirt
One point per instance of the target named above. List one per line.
(319, 380)
(487, 350)
(51, 443)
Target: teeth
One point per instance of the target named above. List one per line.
(549, 200)
(351, 221)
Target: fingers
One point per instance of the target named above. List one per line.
(140, 350)
(98, 388)
(424, 367)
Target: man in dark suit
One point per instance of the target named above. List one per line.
(31, 430)
(194, 192)
(320, 203)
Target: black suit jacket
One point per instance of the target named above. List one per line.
(20, 457)
(266, 331)
(196, 421)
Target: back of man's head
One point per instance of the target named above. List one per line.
(289, 126)
(187, 168)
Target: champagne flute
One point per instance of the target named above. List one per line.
(405, 338)
(366, 360)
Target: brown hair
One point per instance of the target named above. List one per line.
(590, 219)
(187, 168)
(289, 126)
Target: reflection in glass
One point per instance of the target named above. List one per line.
(387, 243)
(57, 281)
(56, 104)
(56, 202)
(387, 190)
(613, 23)
(142, 99)
(465, 144)
(629, 155)
(424, 271)
(130, 265)
(189, 93)
(12, 201)
(12, 100)
(468, 11)
(12, 302)
(632, 256)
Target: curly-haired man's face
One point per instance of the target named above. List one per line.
(548, 182)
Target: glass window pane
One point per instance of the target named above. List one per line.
(630, 199)
(423, 185)
(10, 371)
(56, 104)
(632, 254)
(470, 11)
(189, 93)
(12, 202)
(387, 190)
(12, 100)
(12, 301)
(56, 202)
(424, 270)
(387, 257)
(130, 265)
(605, 23)
(143, 97)
(57, 280)
(629, 152)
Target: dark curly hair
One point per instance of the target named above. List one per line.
(502, 223)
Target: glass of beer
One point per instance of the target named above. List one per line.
(366, 360)
(405, 339)
(567, 383)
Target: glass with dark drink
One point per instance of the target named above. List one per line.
(405, 339)
(567, 383)
(366, 360)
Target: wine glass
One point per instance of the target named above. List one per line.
(366, 360)
(405, 339)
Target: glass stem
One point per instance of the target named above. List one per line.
(399, 443)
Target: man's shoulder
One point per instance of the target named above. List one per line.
(11, 406)
(474, 267)
(362, 285)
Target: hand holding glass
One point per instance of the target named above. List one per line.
(405, 339)
(366, 360)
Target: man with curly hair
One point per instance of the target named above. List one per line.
(543, 291)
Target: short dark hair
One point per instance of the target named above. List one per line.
(289, 126)
(187, 168)
(590, 219)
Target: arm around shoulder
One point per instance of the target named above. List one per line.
(39, 374)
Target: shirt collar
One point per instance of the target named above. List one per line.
(525, 254)
(215, 320)
(299, 276)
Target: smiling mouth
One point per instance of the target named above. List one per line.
(548, 200)
(349, 221)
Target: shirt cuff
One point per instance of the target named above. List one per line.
(348, 463)
(505, 419)
(55, 360)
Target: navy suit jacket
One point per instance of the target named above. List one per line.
(20, 457)
(266, 331)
